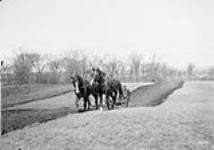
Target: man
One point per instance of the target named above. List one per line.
(126, 94)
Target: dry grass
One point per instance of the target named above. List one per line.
(152, 95)
(12, 95)
(19, 116)
(184, 121)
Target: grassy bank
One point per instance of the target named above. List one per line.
(152, 95)
(13, 95)
(13, 119)
(184, 122)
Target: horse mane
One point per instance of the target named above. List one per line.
(82, 81)
(101, 75)
(79, 79)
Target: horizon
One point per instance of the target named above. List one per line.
(177, 32)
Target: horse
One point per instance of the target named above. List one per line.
(106, 85)
(112, 87)
(82, 90)
(97, 85)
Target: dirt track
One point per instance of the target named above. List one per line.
(184, 121)
(153, 95)
(19, 116)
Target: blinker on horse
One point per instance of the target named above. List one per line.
(99, 86)
(106, 85)
(98, 83)
(82, 90)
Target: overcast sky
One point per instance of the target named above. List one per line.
(177, 31)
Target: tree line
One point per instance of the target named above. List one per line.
(31, 68)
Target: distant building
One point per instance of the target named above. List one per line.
(204, 74)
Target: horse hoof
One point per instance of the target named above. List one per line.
(101, 109)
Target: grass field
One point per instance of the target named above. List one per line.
(41, 111)
(152, 95)
(13, 95)
(184, 122)
(38, 111)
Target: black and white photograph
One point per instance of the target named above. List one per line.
(107, 74)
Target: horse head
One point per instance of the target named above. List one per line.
(97, 76)
(76, 80)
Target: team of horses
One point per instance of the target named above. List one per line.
(102, 87)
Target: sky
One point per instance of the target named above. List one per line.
(176, 31)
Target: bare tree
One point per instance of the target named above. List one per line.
(112, 67)
(122, 72)
(40, 62)
(83, 62)
(23, 65)
(211, 73)
(70, 62)
(135, 65)
(154, 67)
(96, 61)
(190, 68)
(76, 61)
(6, 73)
(55, 68)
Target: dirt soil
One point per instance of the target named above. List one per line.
(42, 110)
(152, 95)
(184, 122)
(17, 117)
(15, 95)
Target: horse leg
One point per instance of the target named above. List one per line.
(101, 100)
(96, 102)
(89, 102)
(115, 98)
(127, 102)
(77, 103)
(112, 100)
(85, 104)
(108, 100)
(120, 91)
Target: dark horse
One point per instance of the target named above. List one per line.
(97, 85)
(82, 90)
(112, 87)
(106, 85)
